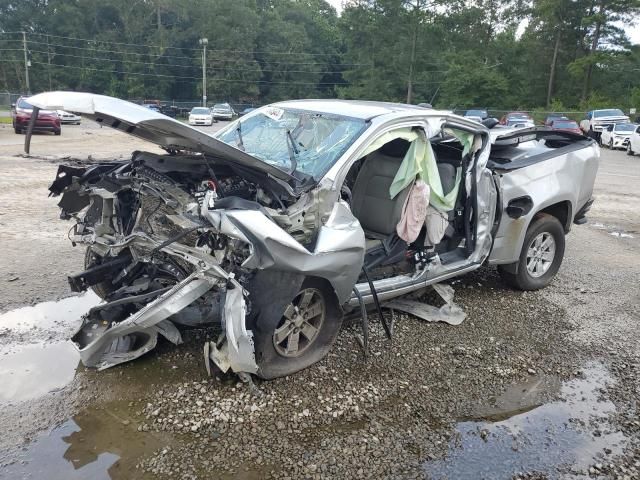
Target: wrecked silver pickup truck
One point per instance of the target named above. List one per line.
(299, 212)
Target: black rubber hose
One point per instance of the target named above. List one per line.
(174, 239)
(365, 322)
(386, 327)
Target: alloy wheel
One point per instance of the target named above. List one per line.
(540, 254)
(300, 324)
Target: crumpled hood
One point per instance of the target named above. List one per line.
(149, 125)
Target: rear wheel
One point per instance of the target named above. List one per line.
(57, 132)
(301, 335)
(541, 255)
(611, 144)
(17, 130)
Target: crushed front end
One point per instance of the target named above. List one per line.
(157, 257)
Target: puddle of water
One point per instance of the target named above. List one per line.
(524, 436)
(36, 370)
(613, 230)
(621, 234)
(99, 443)
(46, 315)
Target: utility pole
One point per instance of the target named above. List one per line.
(26, 61)
(204, 42)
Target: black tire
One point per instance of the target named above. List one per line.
(57, 132)
(272, 363)
(630, 152)
(611, 144)
(17, 130)
(102, 289)
(523, 279)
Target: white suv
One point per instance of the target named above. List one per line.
(617, 136)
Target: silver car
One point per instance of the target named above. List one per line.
(302, 211)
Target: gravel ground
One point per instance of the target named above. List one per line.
(531, 385)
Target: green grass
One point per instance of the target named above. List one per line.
(5, 120)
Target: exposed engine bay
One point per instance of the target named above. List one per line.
(156, 252)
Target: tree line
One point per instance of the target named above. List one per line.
(525, 54)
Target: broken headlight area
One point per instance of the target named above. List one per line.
(155, 259)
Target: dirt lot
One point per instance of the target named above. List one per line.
(532, 385)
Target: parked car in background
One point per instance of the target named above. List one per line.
(169, 110)
(565, 125)
(477, 114)
(519, 123)
(552, 117)
(152, 106)
(222, 111)
(246, 110)
(516, 117)
(68, 117)
(47, 121)
(201, 116)
(633, 145)
(617, 136)
(599, 120)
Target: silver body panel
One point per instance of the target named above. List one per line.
(564, 178)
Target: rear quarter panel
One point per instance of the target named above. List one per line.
(567, 177)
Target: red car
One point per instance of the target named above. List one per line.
(509, 117)
(565, 125)
(48, 121)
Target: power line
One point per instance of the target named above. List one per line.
(100, 50)
(53, 52)
(175, 48)
(190, 78)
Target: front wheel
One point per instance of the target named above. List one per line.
(541, 255)
(299, 336)
(611, 144)
(629, 150)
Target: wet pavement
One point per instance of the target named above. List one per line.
(37, 369)
(519, 434)
(47, 316)
(97, 443)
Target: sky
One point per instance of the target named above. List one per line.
(633, 31)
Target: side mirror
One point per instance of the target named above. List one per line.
(13, 106)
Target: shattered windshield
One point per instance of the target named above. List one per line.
(294, 140)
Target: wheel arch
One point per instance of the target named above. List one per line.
(561, 210)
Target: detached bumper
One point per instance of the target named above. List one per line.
(104, 342)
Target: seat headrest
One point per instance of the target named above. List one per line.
(395, 148)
